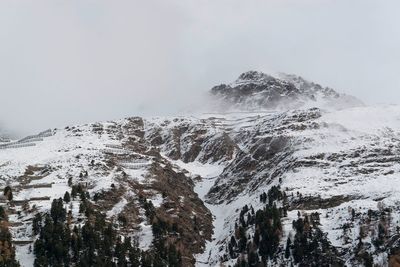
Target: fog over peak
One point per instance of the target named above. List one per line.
(69, 62)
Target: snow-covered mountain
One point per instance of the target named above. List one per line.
(293, 173)
(256, 90)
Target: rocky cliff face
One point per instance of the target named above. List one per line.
(279, 180)
(256, 90)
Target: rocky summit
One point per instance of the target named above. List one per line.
(256, 90)
(290, 174)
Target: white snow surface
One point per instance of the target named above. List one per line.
(69, 153)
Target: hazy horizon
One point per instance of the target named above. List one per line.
(71, 62)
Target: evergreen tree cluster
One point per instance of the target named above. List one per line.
(78, 190)
(375, 227)
(257, 249)
(164, 252)
(310, 246)
(96, 242)
(7, 250)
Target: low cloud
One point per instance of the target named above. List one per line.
(69, 62)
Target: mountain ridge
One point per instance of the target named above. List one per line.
(330, 171)
(255, 90)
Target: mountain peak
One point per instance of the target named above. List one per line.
(254, 90)
(253, 76)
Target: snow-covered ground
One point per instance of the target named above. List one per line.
(40, 173)
(356, 150)
(341, 132)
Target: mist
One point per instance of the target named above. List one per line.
(71, 62)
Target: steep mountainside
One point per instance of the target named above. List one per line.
(256, 90)
(294, 174)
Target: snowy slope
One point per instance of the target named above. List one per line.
(328, 152)
(109, 158)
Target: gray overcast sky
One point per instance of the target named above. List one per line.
(66, 62)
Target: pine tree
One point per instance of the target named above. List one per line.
(36, 223)
(67, 197)
(57, 211)
(74, 192)
(3, 215)
(287, 250)
(8, 193)
(242, 239)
